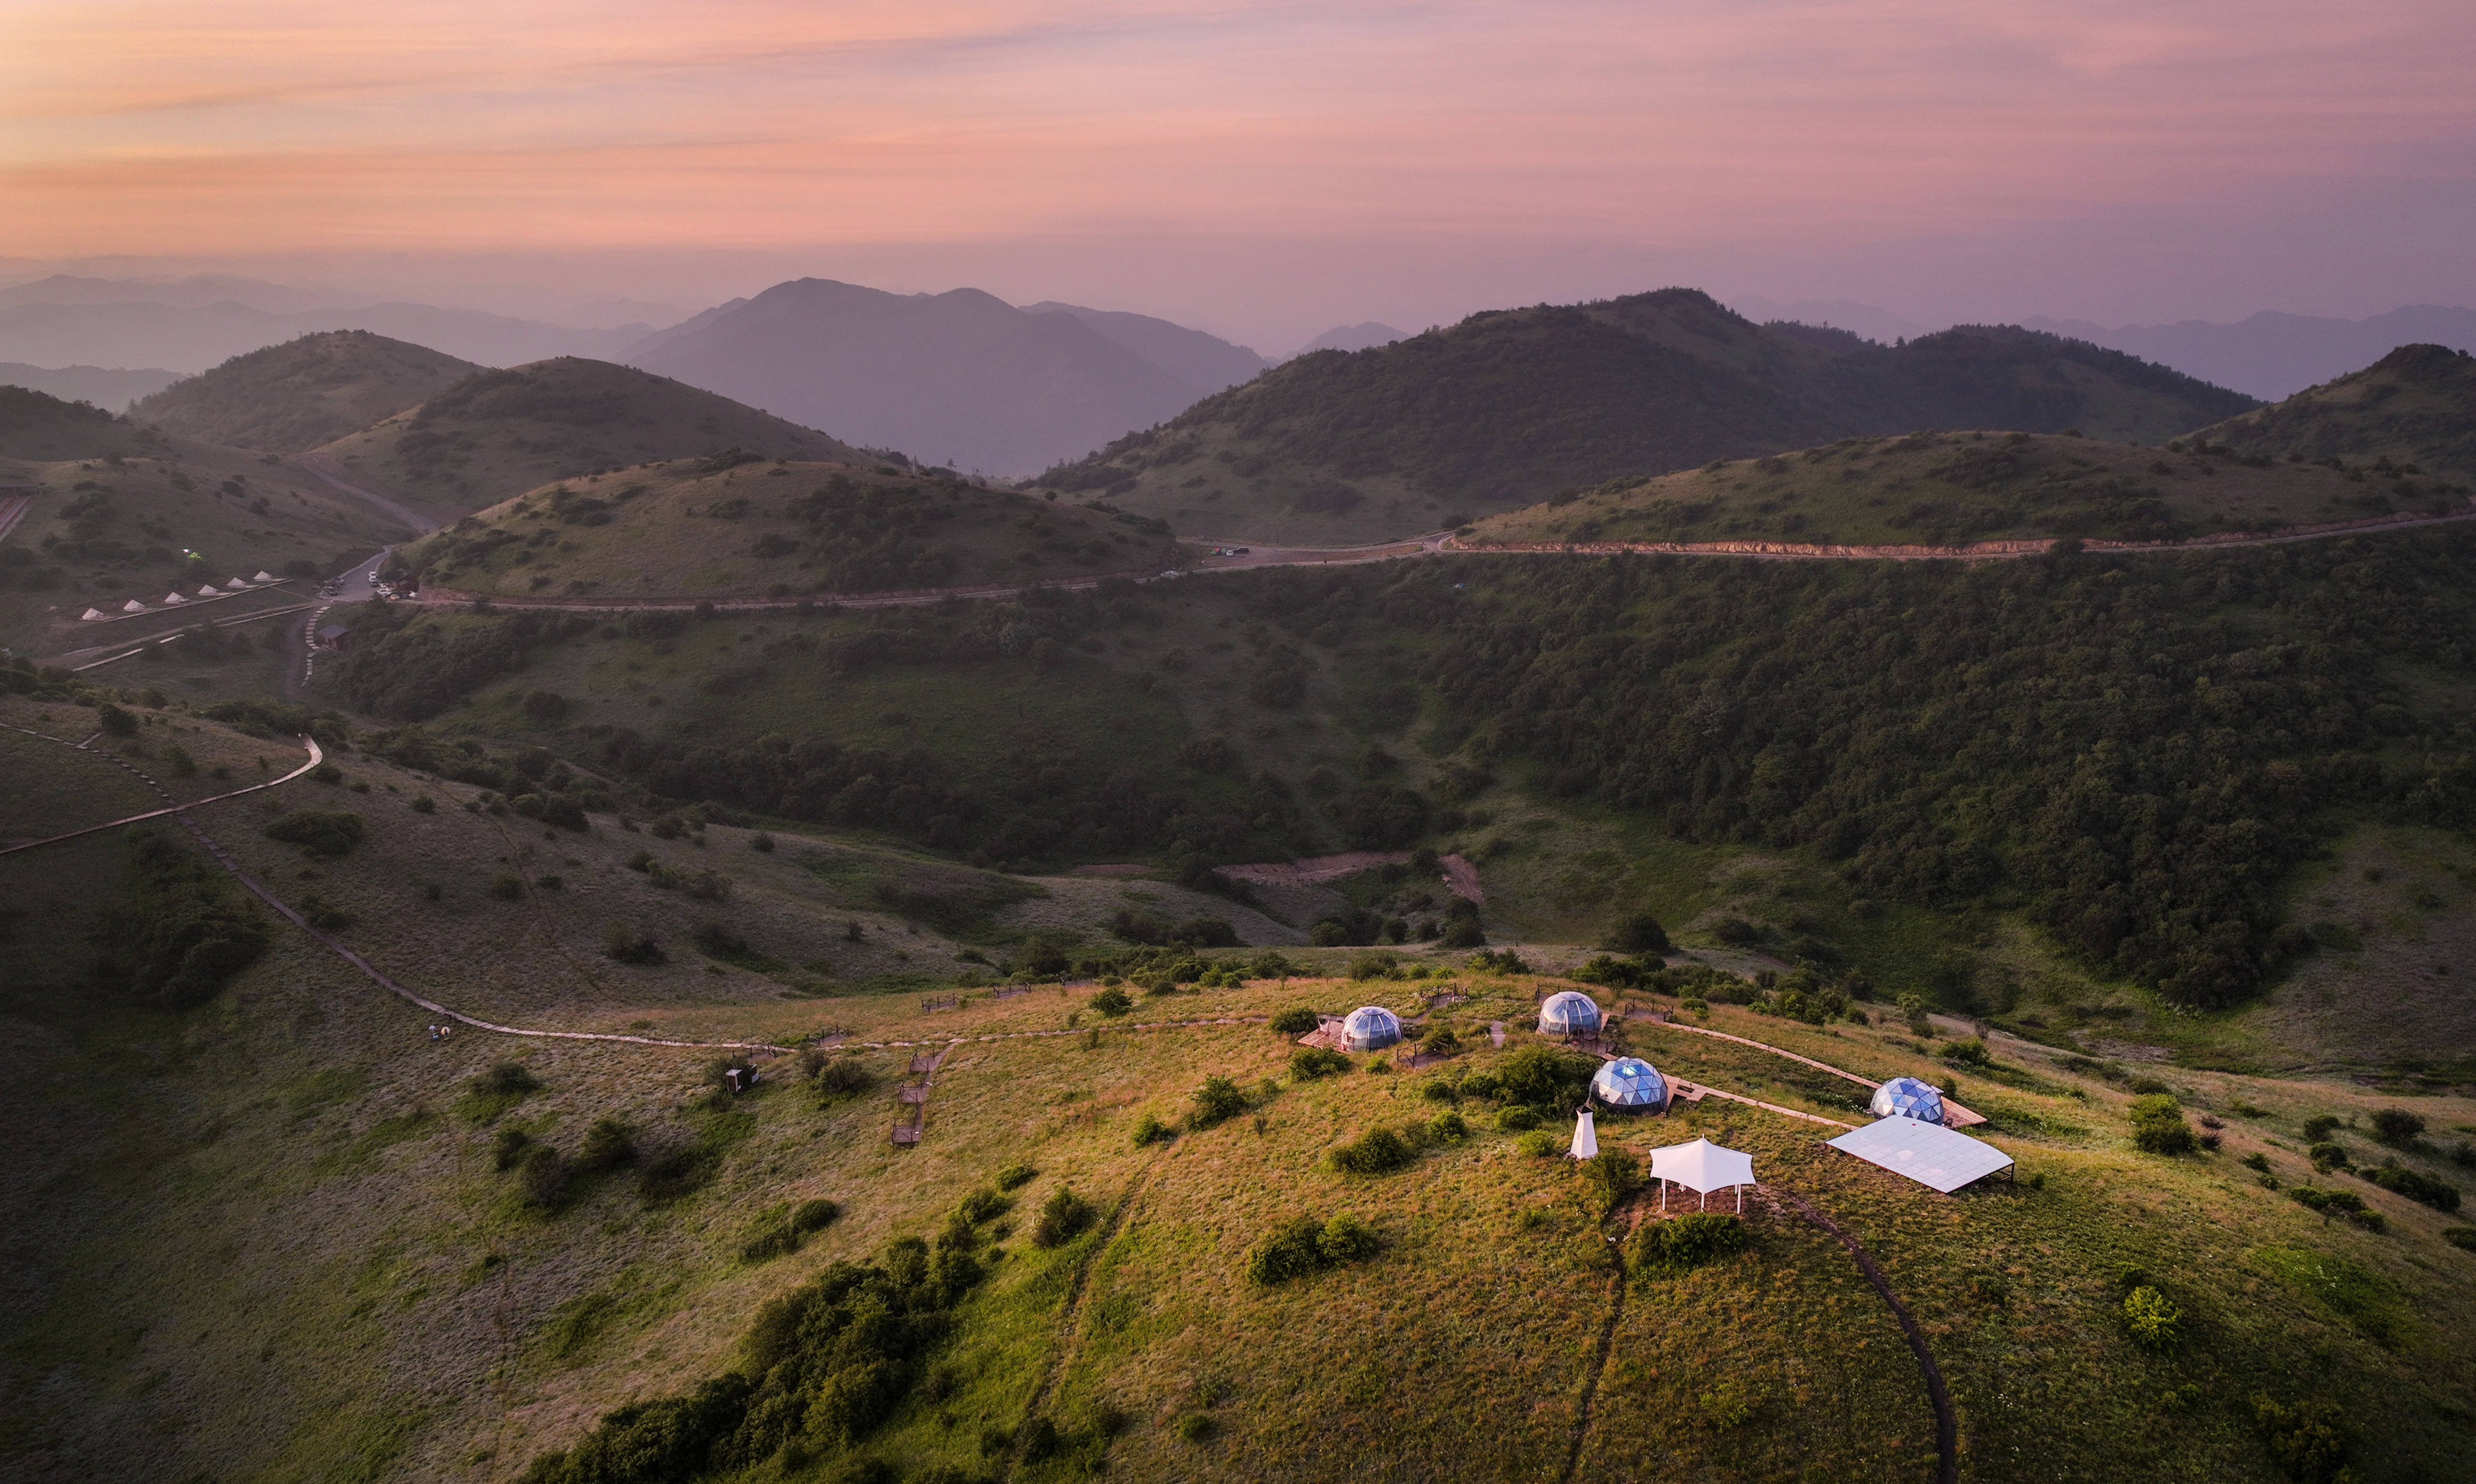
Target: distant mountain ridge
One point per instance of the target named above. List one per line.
(194, 337)
(107, 388)
(291, 397)
(960, 376)
(1365, 335)
(1510, 406)
(2273, 355)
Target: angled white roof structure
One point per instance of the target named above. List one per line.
(1929, 1154)
(264, 576)
(91, 613)
(235, 585)
(133, 606)
(1586, 1137)
(1702, 1167)
(174, 598)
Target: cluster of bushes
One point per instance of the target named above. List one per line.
(1061, 1218)
(2416, 1185)
(820, 1369)
(1390, 1146)
(2327, 1203)
(1666, 1247)
(2158, 1126)
(328, 832)
(177, 933)
(1302, 1247)
(546, 1177)
(833, 1079)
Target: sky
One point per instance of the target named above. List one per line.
(1266, 170)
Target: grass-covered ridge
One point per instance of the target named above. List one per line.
(741, 526)
(497, 434)
(2415, 407)
(295, 396)
(1950, 489)
(1508, 408)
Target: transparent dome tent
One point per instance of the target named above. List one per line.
(1369, 1028)
(1905, 1097)
(1568, 1013)
(1630, 1082)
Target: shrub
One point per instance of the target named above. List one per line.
(543, 1177)
(1270, 965)
(1518, 1119)
(1309, 1062)
(2327, 1157)
(1545, 1078)
(608, 1144)
(1217, 1101)
(815, 1215)
(1637, 932)
(622, 944)
(1347, 1239)
(116, 722)
(2309, 1441)
(2153, 1320)
(2461, 1237)
(681, 1172)
(1112, 1002)
(1197, 1428)
(841, 1077)
(1376, 1152)
(2397, 1127)
(1442, 1042)
(768, 1236)
(327, 832)
(503, 1079)
(1015, 1175)
(982, 1206)
(508, 1148)
(423, 803)
(2318, 1127)
(760, 842)
(1535, 1145)
(1969, 1052)
(1449, 1127)
(2158, 1126)
(2416, 1185)
(508, 886)
(1680, 1243)
(1612, 1174)
(1297, 1020)
(1149, 1130)
(1062, 1218)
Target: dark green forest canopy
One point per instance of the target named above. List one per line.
(2135, 751)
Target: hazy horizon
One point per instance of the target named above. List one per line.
(1262, 172)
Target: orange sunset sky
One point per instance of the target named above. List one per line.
(1265, 169)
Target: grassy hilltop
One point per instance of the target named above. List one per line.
(1949, 489)
(449, 1318)
(722, 526)
(1508, 408)
(294, 397)
(497, 434)
(2415, 407)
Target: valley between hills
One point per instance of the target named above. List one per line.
(866, 1064)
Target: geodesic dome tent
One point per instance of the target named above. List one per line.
(1568, 1013)
(1630, 1082)
(1369, 1028)
(1905, 1097)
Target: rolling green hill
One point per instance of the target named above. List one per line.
(1510, 407)
(739, 526)
(1949, 489)
(497, 434)
(555, 1259)
(37, 428)
(294, 397)
(2415, 407)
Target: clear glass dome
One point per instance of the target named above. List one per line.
(1369, 1027)
(1568, 1013)
(1905, 1097)
(1630, 1082)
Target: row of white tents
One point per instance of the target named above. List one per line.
(173, 599)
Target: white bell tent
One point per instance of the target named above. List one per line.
(1586, 1138)
(1702, 1167)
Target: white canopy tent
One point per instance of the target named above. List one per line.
(1929, 1154)
(1702, 1167)
(1586, 1138)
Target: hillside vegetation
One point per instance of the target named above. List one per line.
(738, 524)
(2410, 415)
(37, 428)
(1510, 407)
(1948, 489)
(497, 434)
(167, 515)
(294, 397)
(562, 1260)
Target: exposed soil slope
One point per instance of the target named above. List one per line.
(723, 527)
(498, 434)
(295, 396)
(1509, 407)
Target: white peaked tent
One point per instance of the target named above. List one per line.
(208, 590)
(235, 585)
(133, 606)
(1702, 1167)
(1586, 1139)
(91, 613)
(264, 576)
(174, 598)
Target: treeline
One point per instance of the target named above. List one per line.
(2122, 748)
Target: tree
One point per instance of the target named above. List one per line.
(1637, 932)
(1218, 1100)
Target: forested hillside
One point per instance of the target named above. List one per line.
(1509, 407)
(2132, 752)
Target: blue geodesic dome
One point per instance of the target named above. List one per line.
(1568, 1013)
(1905, 1097)
(1630, 1082)
(1369, 1027)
